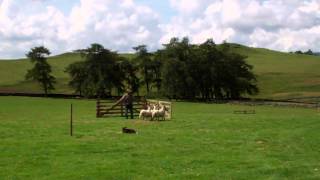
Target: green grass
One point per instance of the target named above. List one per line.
(283, 75)
(280, 75)
(202, 141)
(12, 73)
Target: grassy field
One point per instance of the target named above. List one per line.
(12, 73)
(284, 75)
(203, 141)
(280, 75)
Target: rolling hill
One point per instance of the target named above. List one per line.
(280, 75)
(284, 75)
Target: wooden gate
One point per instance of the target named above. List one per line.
(105, 108)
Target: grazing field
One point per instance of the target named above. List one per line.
(203, 141)
(280, 75)
(12, 73)
(284, 75)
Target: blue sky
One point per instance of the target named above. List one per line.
(65, 25)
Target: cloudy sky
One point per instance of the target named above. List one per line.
(65, 25)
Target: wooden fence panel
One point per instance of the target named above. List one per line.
(105, 108)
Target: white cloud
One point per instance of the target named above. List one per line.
(277, 24)
(189, 7)
(118, 25)
(121, 24)
(23, 26)
(286, 39)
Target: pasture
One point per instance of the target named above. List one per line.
(202, 141)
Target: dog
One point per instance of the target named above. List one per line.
(128, 131)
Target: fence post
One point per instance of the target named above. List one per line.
(98, 108)
(121, 110)
(171, 110)
(71, 120)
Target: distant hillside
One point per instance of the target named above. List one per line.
(284, 75)
(280, 75)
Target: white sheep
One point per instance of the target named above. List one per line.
(146, 112)
(159, 113)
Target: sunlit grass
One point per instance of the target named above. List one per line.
(202, 141)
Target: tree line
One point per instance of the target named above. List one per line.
(179, 70)
(309, 52)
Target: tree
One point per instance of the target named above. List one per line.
(238, 77)
(78, 74)
(130, 71)
(101, 72)
(143, 57)
(41, 71)
(156, 70)
(176, 77)
(173, 73)
(210, 63)
(309, 52)
(206, 71)
(178, 60)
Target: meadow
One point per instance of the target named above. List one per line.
(202, 141)
(280, 76)
(283, 76)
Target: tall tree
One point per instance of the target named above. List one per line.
(192, 71)
(78, 73)
(174, 73)
(178, 64)
(41, 72)
(237, 78)
(99, 74)
(130, 71)
(102, 71)
(156, 70)
(143, 57)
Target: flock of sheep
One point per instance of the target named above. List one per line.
(153, 111)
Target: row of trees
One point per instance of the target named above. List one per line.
(204, 70)
(309, 52)
(179, 70)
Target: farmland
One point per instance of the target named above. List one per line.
(202, 141)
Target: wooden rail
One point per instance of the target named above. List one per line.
(108, 108)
